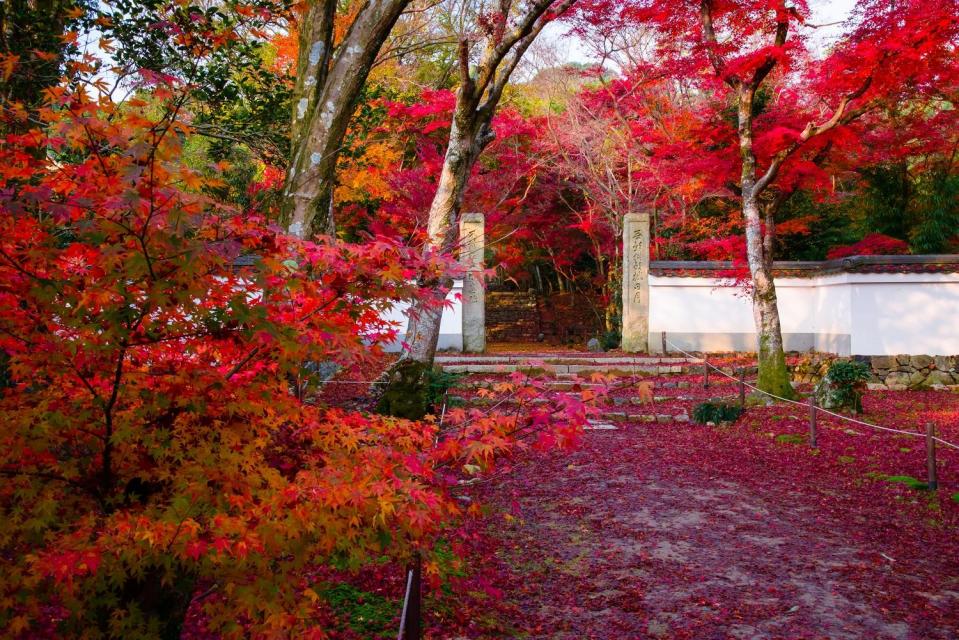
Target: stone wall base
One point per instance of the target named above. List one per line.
(895, 373)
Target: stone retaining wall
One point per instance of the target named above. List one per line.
(525, 317)
(512, 317)
(889, 372)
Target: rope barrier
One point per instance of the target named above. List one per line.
(734, 379)
(800, 404)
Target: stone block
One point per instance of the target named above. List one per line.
(903, 359)
(614, 415)
(480, 368)
(883, 362)
(897, 378)
(921, 362)
(600, 426)
(937, 377)
(917, 379)
(945, 363)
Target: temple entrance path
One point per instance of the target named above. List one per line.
(671, 530)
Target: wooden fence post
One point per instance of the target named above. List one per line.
(705, 373)
(931, 456)
(415, 622)
(742, 387)
(813, 441)
(411, 623)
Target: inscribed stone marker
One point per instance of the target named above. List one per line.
(636, 282)
(472, 229)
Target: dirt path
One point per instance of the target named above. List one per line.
(685, 532)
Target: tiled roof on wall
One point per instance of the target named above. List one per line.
(947, 263)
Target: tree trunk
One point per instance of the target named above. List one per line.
(773, 375)
(327, 88)
(476, 101)
(423, 329)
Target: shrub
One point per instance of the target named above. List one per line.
(152, 447)
(716, 412)
(842, 386)
(438, 382)
(874, 244)
(610, 340)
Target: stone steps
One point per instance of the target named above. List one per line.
(565, 365)
(561, 369)
(568, 358)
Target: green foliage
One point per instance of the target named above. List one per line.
(438, 382)
(831, 224)
(842, 386)
(368, 614)
(406, 391)
(939, 223)
(909, 481)
(236, 96)
(791, 438)
(885, 200)
(610, 340)
(33, 32)
(716, 412)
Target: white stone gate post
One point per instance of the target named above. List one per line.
(473, 246)
(636, 282)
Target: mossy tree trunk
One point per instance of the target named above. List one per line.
(773, 375)
(330, 78)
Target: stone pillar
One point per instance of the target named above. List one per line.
(636, 282)
(472, 248)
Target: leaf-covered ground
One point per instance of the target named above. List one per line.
(677, 530)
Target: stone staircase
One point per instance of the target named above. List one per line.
(567, 364)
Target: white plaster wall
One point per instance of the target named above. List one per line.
(906, 313)
(850, 313)
(451, 325)
(833, 314)
(864, 314)
(696, 305)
